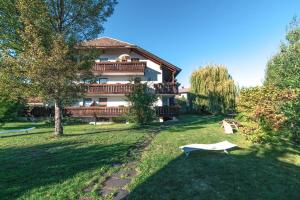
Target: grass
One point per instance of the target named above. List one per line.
(38, 166)
(249, 172)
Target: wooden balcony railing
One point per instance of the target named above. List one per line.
(166, 88)
(167, 111)
(160, 88)
(109, 88)
(120, 67)
(95, 111)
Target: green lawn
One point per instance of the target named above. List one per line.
(38, 166)
(250, 172)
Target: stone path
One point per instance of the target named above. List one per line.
(116, 182)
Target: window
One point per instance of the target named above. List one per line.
(87, 101)
(103, 59)
(89, 81)
(135, 59)
(103, 102)
(103, 80)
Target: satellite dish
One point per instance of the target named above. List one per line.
(124, 57)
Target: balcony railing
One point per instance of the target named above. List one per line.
(166, 88)
(109, 88)
(119, 67)
(160, 88)
(95, 111)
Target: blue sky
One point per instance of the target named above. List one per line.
(241, 34)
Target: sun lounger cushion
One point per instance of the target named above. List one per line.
(18, 131)
(214, 147)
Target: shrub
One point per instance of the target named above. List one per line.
(291, 111)
(261, 110)
(120, 119)
(183, 103)
(141, 101)
(9, 110)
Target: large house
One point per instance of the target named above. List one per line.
(119, 63)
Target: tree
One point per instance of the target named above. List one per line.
(214, 89)
(141, 101)
(283, 70)
(76, 20)
(38, 47)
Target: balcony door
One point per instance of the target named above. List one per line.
(87, 102)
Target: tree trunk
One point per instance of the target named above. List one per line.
(58, 119)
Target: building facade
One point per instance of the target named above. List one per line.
(118, 64)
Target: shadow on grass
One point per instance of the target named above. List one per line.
(99, 131)
(26, 168)
(23, 134)
(258, 172)
(254, 173)
(25, 125)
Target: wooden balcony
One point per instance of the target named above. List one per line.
(109, 88)
(96, 111)
(160, 88)
(119, 68)
(166, 88)
(167, 111)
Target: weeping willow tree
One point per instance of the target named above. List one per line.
(214, 89)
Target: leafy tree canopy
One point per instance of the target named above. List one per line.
(214, 88)
(283, 70)
(38, 41)
(76, 20)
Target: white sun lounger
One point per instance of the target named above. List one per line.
(18, 131)
(221, 146)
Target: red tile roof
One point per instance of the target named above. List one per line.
(106, 42)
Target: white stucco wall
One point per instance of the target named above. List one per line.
(153, 74)
(115, 101)
(111, 101)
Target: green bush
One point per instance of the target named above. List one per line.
(9, 110)
(66, 121)
(141, 101)
(291, 111)
(260, 108)
(120, 119)
(183, 103)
